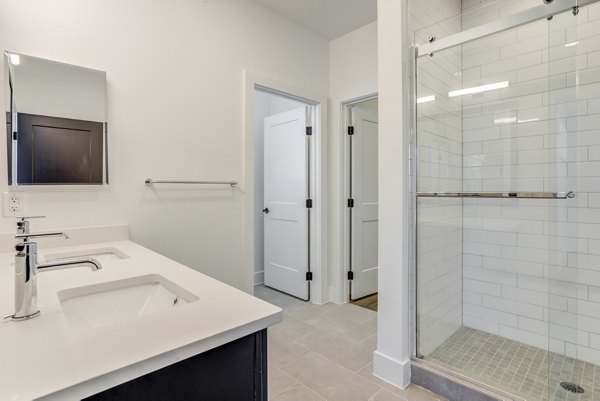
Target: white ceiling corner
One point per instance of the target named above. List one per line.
(329, 19)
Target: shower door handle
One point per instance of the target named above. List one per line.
(518, 195)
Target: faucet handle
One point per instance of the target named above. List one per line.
(23, 223)
(42, 235)
(23, 218)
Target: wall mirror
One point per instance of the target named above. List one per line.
(56, 122)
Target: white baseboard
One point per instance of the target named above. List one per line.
(391, 370)
(334, 295)
(259, 277)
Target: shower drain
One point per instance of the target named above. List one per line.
(572, 387)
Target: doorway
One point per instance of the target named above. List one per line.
(282, 192)
(362, 188)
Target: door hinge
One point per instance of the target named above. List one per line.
(350, 202)
(308, 276)
(15, 135)
(309, 203)
(308, 130)
(350, 130)
(350, 275)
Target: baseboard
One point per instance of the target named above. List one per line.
(334, 295)
(391, 370)
(259, 277)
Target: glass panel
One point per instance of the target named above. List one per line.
(439, 227)
(486, 122)
(573, 142)
(474, 13)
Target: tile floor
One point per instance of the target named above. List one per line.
(515, 367)
(324, 353)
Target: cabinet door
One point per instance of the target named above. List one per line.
(236, 371)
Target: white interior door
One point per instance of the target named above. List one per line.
(364, 213)
(286, 214)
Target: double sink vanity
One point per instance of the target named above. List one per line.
(137, 325)
(142, 326)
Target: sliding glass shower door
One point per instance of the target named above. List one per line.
(508, 207)
(573, 229)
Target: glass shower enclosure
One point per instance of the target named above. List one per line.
(507, 160)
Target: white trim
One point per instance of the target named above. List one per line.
(500, 25)
(344, 257)
(252, 81)
(259, 277)
(393, 323)
(391, 370)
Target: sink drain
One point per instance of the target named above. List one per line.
(572, 387)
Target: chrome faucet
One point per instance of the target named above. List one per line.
(23, 223)
(27, 268)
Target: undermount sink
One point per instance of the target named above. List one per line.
(101, 254)
(122, 300)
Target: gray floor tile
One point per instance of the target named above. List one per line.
(324, 353)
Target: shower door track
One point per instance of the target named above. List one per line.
(487, 390)
(500, 25)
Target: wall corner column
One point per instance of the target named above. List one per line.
(392, 357)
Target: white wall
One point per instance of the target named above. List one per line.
(175, 87)
(265, 104)
(353, 74)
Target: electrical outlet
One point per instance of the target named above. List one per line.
(14, 203)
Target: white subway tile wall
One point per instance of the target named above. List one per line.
(440, 143)
(530, 268)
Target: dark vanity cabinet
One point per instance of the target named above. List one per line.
(236, 371)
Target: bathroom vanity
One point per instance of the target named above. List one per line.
(142, 327)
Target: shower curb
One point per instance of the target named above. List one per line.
(451, 387)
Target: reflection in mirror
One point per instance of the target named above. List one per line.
(56, 122)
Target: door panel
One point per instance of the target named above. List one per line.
(286, 182)
(364, 215)
(54, 150)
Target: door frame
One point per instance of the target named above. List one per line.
(344, 211)
(318, 180)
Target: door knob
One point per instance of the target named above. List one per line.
(266, 210)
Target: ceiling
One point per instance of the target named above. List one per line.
(329, 19)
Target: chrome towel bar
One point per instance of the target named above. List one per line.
(523, 195)
(150, 181)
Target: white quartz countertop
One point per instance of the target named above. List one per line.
(48, 358)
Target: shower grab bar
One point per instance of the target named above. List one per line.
(150, 181)
(522, 195)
